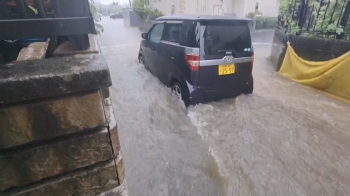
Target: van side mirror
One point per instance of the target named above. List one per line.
(144, 36)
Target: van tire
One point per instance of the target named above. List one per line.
(142, 61)
(249, 87)
(175, 86)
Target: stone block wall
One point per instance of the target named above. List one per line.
(308, 48)
(64, 141)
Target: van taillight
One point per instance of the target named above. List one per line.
(192, 62)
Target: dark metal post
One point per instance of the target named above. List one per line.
(345, 17)
(302, 14)
(255, 13)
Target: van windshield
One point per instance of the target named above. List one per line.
(226, 36)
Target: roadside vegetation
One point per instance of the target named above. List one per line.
(324, 16)
(99, 28)
(262, 22)
(145, 12)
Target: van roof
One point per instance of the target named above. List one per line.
(203, 17)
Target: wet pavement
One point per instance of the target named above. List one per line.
(285, 139)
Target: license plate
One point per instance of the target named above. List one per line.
(226, 69)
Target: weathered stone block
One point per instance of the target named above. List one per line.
(68, 48)
(37, 121)
(113, 127)
(51, 77)
(87, 183)
(113, 131)
(120, 168)
(52, 159)
(115, 139)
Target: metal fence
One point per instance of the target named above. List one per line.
(323, 18)
(37, 18)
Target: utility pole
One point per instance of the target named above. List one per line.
(130, 3)
(255, 13)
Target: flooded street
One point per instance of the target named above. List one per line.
(284, 139)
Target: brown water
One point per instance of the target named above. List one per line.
(285, 139)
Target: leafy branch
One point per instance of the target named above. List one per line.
(99, 28)
(325, 14)
(144, 12)
(288, 15)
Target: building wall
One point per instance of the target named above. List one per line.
(266, 7)
(239, 7)
(202, 6)
(166, 6)
(269, 7)
(227, 6)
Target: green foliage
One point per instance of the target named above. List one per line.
(139, 7)
(325, 22)
(329, 22)
(262, 22)
(270, 22)
(153, 14)
(144, 12)
(251, 14)
(99, 28)
(287, 15)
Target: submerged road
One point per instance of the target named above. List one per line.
(285, 139)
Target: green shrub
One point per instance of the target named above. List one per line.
(98, 27)
(144, 12)
(270, 22)
(261, 21)
(251, 14)
(153, 14)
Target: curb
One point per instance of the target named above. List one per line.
(262, 31)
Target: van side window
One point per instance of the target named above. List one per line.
(172, 33)
(189, 34)
(156, 33)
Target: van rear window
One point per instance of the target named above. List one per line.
(225, 36)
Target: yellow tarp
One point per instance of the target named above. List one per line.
(331, 77)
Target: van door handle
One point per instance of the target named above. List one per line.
(172, 57)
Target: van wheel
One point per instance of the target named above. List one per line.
(142, 61)
(178, 91)
(249, 87)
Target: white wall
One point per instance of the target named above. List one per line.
(201, 6)
(227, 6)
(269, 7)
(165, 6)
(212, 6)
(266, 7)
(188, 6)
(239, 7)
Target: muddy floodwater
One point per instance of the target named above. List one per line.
(284, 139)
